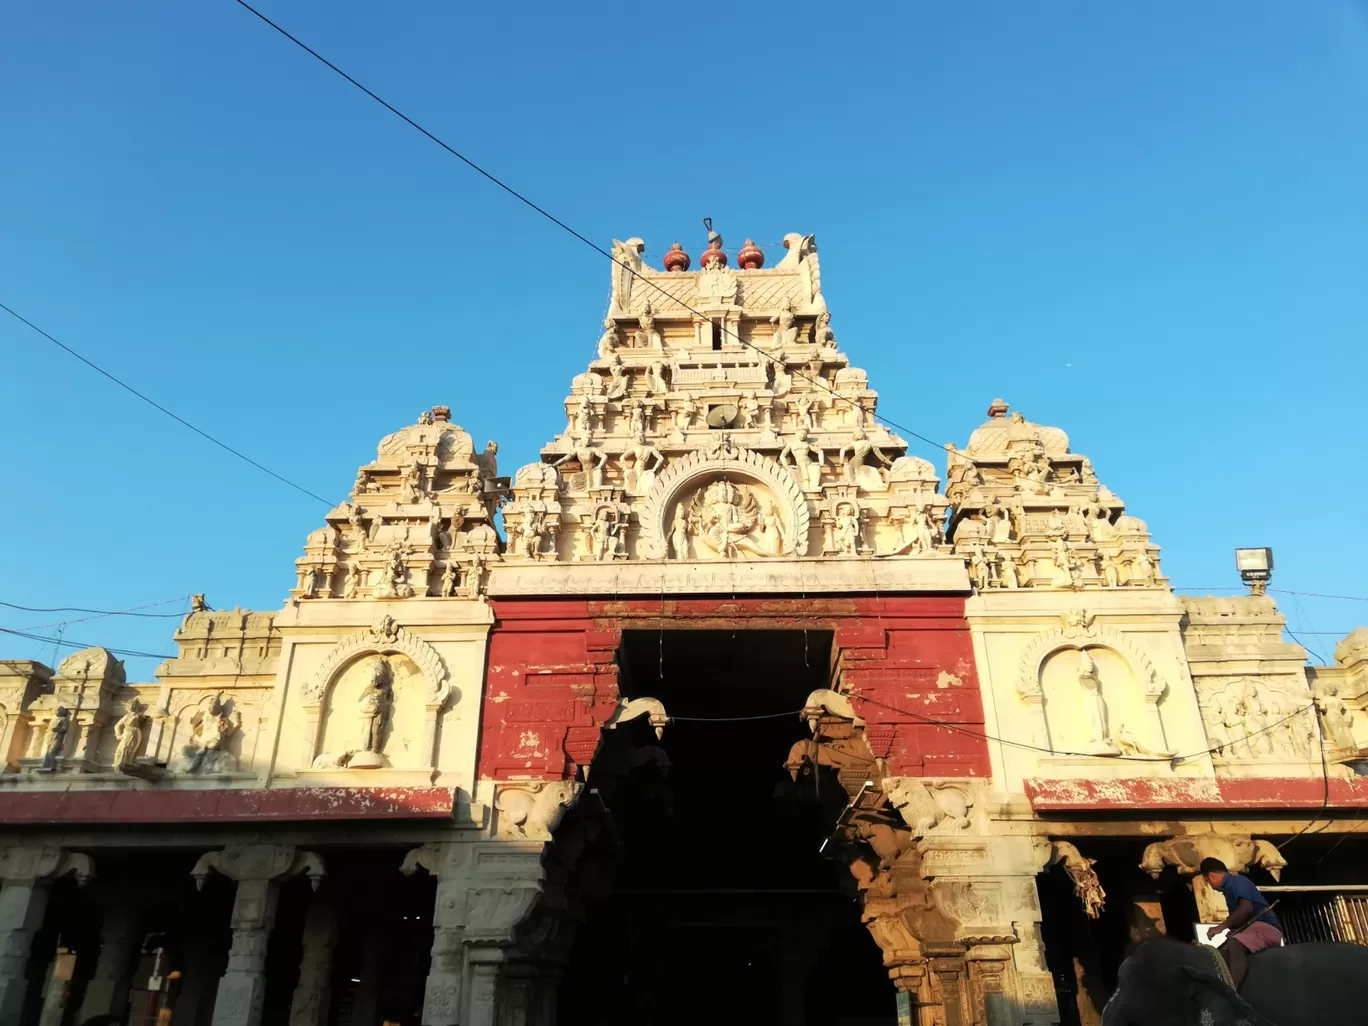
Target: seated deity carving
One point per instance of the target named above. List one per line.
(726, 520)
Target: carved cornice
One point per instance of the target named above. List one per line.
(383, 638)
(679, 474)
(1080, 631)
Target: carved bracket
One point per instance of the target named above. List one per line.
(1087, 887)
(260, 862)
(635, 709)
(382, 639)
(533, 809)
(827, 702)
(929, 806)
(1186, 853)
(22, 863)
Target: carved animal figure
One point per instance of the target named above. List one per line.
(535, 812)
(927, 805)
(1165, 981)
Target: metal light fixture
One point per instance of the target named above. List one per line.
(1256, 568)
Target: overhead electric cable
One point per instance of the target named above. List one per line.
(79, 644)
(942, 447)
(158, 406)
(134, 611)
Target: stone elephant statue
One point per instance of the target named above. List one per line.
(1174, 984)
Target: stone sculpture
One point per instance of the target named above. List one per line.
(806, 458)
(374, 708)
(531, 532)
(353, 581)
(655, 378)
(447, 587)
(785, 328)
(619, 381)
(394, 581)
(749, 408)
(724, 521)
(860, 448)
(847, 530)
(590, 459)
(128, 734)
(1094, 705)
(54, 747)
(648, 329)
(608, 341)
(411, 487)
(210, 729)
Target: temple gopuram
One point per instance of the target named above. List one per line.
(728, 707)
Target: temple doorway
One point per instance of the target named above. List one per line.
(724, 905)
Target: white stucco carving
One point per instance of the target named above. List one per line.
(383, 638)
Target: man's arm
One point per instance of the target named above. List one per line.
(1243, 913)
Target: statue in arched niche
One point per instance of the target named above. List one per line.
(376, 702)
(1094, 705)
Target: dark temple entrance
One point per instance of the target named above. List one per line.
(723, 909)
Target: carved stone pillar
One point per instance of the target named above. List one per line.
(313, 992)
(449, 863)
(106, 993)
(26, 873)
(258, 870)
(1186, 853)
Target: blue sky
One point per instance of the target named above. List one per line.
(1145, 223)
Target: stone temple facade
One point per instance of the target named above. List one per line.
(726, 658)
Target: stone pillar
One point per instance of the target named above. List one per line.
(313, 992)
(106, 993)
(449, 863)
(258, 870)
(26, 872)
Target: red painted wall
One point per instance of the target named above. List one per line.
(906, 661)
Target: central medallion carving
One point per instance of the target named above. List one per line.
(730, 503)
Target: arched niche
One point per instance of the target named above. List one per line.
(353, 660)
(342, 726)
(1071, 707)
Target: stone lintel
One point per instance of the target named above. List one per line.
(283, 804)
(1271, 793)
(730, 577)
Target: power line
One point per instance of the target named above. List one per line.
(584, 239)
(79, 644)
(158, 406)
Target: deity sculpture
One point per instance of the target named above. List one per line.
(847, 530)
(1142, 569)
(980, 570)
(655, 378)
(603, 536)
(1111, 570)
(447, 588)
(308, 578)
(802, 409)
(648, 328)
(1094, 706)
(54, 747)
(644, 457)
(684, 414)
(1336, 719)
(128, 734)
(725, 520)
(997, 525)
(805, 458)
(619, 381)
(1086, 474)
(679, 533)
(750, 409)
(531, 533)
(411, 486)
(476, 574)
(608, 341)
(351, 583)
(591, 460)
(773, 527)
(210, 729)
(362, 484)
(394, 582)
(354, 518)
(859, 447)
(582, 420)
(785, 328)
(783, 380)
(374, 706)
(822, 334)
(425, 417)
(1007, 571)
(919, 533)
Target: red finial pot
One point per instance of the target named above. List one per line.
(676, 259)
(751, 257)
(713, 254)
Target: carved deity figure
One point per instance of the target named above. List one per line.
(860, 448)
(643, 456)
(54, 747)
(806, 458)
(919, 533)
(210, 729)
(591, 460)
(531, 532)
(847, 530)
(648, 328)
(128, 735)
(750, 409)
(374, 706)
(822, 334)
(785, 328)
(603, 536)
(723, 519)
(997, 525)
(1111, 570)
(476, 576)
(447, 588)
(362, 483)
(1142, 569)
(608, 341)
(684, 415)
(655, 378)
(1086, 472)
(394, 582)
(351, 584)
(679, 533)
(582, 421)
(783, 380)
(411, 486)
(1094, 705)
(308, 580)
(980, 569)
(773, 527)
(803, 413)
(1008, 576)
(1337, 720)
(354, 518)
(619, 381)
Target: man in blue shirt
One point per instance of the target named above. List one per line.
(1251, 921)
